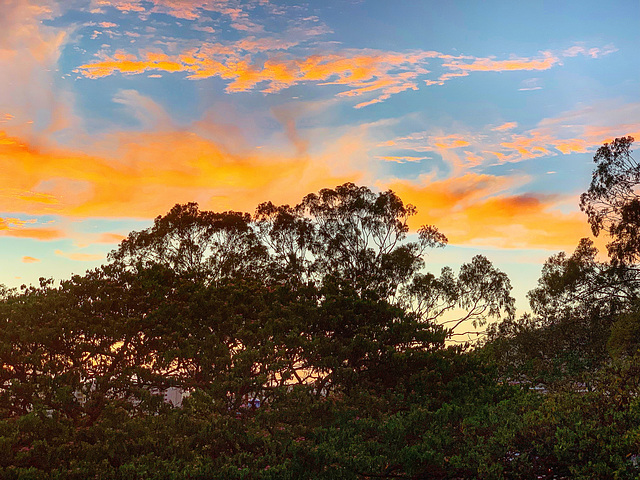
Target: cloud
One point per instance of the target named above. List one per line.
(402, 159)
(477, 210)
(80, 257)
(266, 63)
(8, 223)
(14, 227)
(449, 141)
(110, 238)
(593, 52)
(206, 162)
(530, 84)
(545, 62)
(122, 5)
(149, 114)
(578, 131)
(32, 96)
(505, 126)
(364, 72)
(27, 259)
(191, 10)
(204, 28)
(425, 141)
(44, 234)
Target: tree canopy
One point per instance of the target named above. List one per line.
(612, 202)
(312, 342)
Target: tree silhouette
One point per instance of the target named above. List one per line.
(612, 201)
(348, 236)
(195, 242)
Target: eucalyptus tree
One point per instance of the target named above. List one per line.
(196, 242)
(585, 309)
(612, 202)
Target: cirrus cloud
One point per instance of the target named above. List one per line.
(244, 66)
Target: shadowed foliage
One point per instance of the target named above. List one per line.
(311, 342)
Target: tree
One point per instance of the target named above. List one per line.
(480, 292)
(195, 242)
(577, 301)
(348, 232)
(612, 202)
(321, 311)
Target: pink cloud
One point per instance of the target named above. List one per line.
(545, 62)
(505, 126)
(578, 131)
(593, 52)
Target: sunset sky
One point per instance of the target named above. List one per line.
(485, 115)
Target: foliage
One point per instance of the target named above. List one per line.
(577, 302)
(612, 202)
(324, 314)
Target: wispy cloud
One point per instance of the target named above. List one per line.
(80, 257)
(375, 73)
(530, 84)
(505, 126)
(478, 210)
(576, 131)
(593, 52)
(122, 177)
(402, 159)
(14, 227)
(110, 238)
(363, 72)
(544, 62)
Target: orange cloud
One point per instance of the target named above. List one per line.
(446, 76)
(191, 9)
(571, 132)
(363, 71)
(80, 257)
(129, 64)
(382, 73)
(34, 233)
(7, 223)
(124, 178)
(38, 197)
(528, 146)
(27, 259)
(402, 159)
(505, 126)
(123, 5)
(110, 238)
(449, 141)
(471, 211)
(14, 227)
(547, 61)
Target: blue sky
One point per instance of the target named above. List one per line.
(485, 115)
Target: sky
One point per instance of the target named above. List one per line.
(484, 115)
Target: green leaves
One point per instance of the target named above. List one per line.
(324, 314)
